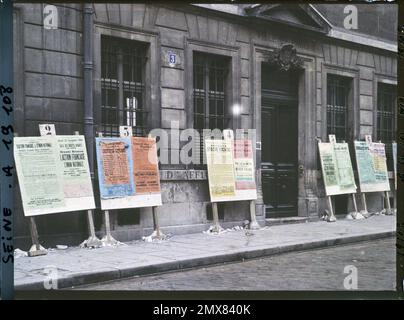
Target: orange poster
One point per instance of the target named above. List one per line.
(114, 153)
(145, 165)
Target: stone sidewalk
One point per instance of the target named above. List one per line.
(76, 266)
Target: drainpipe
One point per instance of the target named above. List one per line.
(92, 241)
(88, 84)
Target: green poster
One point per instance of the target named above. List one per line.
(53, 174)
(329, 168)
(371, 164)
(38, 175)
(345, 172)
(337, 169)
(364, 163)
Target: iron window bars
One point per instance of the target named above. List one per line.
(386, 99)
(337, 106)
(210, 76)
(123, 86)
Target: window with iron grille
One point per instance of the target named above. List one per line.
(386, 99)
(210, 76)
(123, 86)
(337, 106)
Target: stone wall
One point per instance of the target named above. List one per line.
(49, 77)
(49, 89)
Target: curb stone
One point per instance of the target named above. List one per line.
(79, 279)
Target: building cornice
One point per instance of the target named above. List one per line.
(333, 33)
(362, 40)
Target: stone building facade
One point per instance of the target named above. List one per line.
(295, 73)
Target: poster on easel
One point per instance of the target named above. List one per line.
(115, 167)
(329, 168)
(336, 168)
(128, 173)
(378, 153)
(145, 166)
(219, 156)
(74, 167)
(372, 166)
(244, 170)
(346, 178)
(53, 174)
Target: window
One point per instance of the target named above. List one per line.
(209, 94)
(122, 86)
(386, 99)
(337, 106)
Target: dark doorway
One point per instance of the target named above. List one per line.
(279, 136)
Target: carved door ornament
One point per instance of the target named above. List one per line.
(285, 58)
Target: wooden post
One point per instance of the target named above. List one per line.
(331, 217)
(354, 202)
(388, 211)
(365, 208)
(157, 233)
(216, 225)
(34, 233)
(253, 223)
(92, 241)
(36, 248)
(156, 225)
(107, 239)
(356, 214)
(91, 227)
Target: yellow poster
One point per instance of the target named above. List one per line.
(378, 153)
(219, 156)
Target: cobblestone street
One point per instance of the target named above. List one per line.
(321, 269)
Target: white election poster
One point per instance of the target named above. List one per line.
(75, 172)
(219, 156)
(45, 186)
